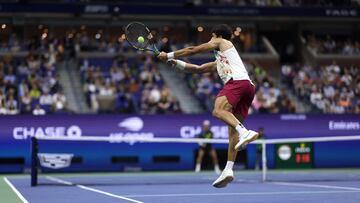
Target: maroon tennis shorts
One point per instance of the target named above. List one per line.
(240, 94)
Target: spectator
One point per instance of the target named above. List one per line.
(11, 103)
(46, 99)
(59, 101)
(38, 111)
(3, 110)
(35, 92)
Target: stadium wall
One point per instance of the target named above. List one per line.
(15, 133)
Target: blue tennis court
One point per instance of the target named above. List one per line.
(286, 186)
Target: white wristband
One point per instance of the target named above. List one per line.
(170, 55)
(180, 64)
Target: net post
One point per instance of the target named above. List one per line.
(34, 162)
(263, 157)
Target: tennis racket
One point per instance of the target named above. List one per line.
(136, 30)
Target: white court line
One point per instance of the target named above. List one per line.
(91, 189)
(316, 186)
(245, 193)
(15, 190)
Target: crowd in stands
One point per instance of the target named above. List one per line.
(135, 85)
(269, 97)
(249, 43)
(30, 85)
(329, 45)
(331, 89)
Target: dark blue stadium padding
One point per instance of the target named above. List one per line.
(34, 161)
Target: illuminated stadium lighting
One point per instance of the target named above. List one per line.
(165, 40)
(44, 35)
(98, 36)
(3, 26)
(200, 29)
(236, 33)
(238, 29)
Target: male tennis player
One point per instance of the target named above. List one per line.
(233, 101)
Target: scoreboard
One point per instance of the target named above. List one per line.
(294, 155)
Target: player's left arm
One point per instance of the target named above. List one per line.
(192, 50)
(193, 68)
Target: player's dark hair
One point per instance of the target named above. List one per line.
(222, 30)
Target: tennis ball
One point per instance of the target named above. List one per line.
(141, 39)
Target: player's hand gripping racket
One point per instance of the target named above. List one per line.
(140, 37)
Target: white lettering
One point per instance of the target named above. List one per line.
(23, 133)
(341, 12)
(302, 150)
(96, 9)
(129, 137)
(39, 132)
(74, 131)
(342, 125)
(293, 117)
(192, 131)
(28, 132)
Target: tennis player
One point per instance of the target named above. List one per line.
(233, 101)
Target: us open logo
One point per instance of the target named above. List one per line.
(131, 131)
(132, 124)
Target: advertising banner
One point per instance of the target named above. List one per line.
(15, 133)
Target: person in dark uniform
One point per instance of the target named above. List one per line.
(206, 147)
(259, 149)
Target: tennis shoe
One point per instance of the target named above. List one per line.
(225, 178)
(245, 139)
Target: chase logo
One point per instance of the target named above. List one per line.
(132, 124)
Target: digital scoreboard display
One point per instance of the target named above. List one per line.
(294, 155)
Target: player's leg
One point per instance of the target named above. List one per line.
(241, 109)
(227, 174)
(223, 110)
(233, 139)
(215, 160)
(199, 159)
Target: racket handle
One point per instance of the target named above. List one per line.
(156, 51)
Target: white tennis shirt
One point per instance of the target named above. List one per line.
(230, 66)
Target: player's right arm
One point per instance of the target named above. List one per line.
(193, 68)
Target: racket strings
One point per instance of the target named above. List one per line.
(136, 30)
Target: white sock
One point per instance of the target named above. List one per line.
(198, 168)
(229, 165)
(216, 167)
(241, 129)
